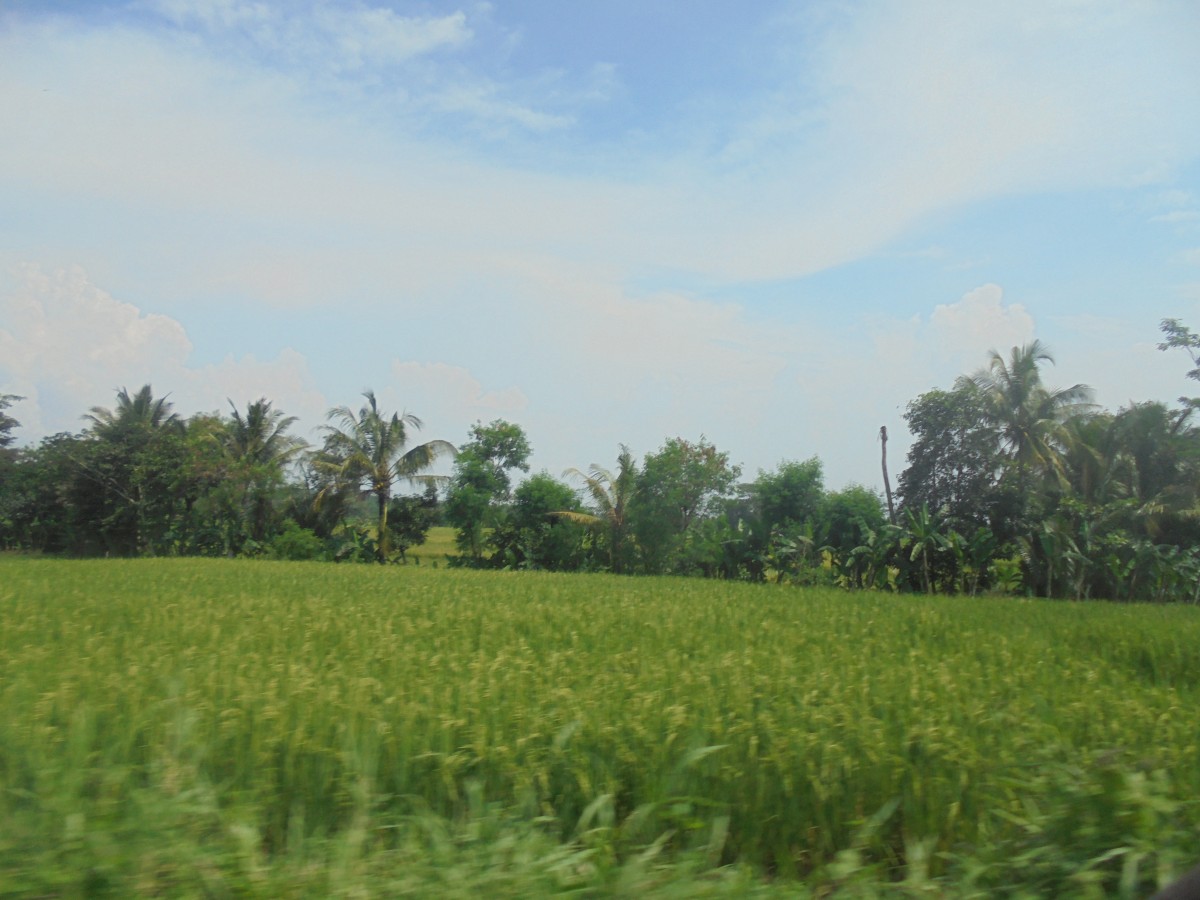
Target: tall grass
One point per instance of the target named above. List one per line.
(191, 722)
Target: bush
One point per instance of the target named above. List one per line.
(296, 543)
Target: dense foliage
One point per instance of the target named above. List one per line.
(157, 739)
(1010, 485)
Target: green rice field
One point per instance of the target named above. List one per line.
(239, 728)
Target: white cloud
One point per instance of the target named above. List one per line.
(917, 106)
(895, 360)
(373, 35)
(914, 108)
(681, 356)
(967, 330)
(484, 101)
(67, 346)
(348, 35)
(215, 15)
(218, 157)
(1176, 216)
(400, 60)
(62, 333)
(453, 391)
(1190, 257)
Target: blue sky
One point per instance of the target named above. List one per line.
(773, 224)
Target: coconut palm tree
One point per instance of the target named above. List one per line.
(370, 449)
(136, 466)
(610, 495)
(141, 410)
(259, 448)
(1030, 417)
(259, 437)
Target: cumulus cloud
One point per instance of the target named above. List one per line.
(453, 391)
(66, 345)
(209, 146)
(967, 330)
(683, 358)
(65, 337)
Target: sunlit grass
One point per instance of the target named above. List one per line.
(167, 719)
(439, 546)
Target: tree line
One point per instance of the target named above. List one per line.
(1009, 486)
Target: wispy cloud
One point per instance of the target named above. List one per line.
(344, 35)
(1177, 216)
(372, 36)
(422, 170)
(261, 20)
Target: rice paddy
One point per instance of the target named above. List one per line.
(232, 728)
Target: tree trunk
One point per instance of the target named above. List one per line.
(887, 485)
(381, 539)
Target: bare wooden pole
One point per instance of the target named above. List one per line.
(887, 485)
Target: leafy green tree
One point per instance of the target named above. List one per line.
(847, 515)
(409, 521)
(211, 521)
(782, 523)
(679, 485)
(481, 485)
(1177, 336)
(7, 423)
(791, 495)
(8, 494)
(369, 451)
(537, 533)
(40, 509)
(954, 462)
(611, 495)
(844, 519)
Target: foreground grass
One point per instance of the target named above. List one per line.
(231, 728)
